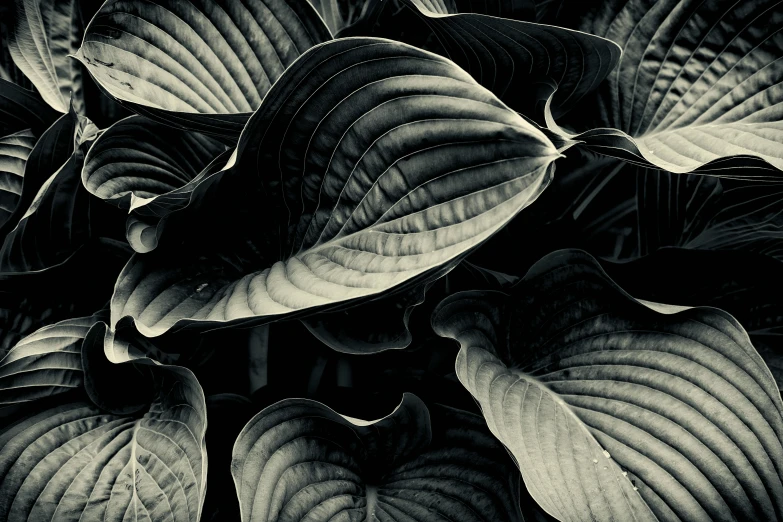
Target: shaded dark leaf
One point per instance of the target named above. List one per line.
(23, 109)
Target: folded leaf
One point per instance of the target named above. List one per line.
(300, 460)
(138, 158)
(14, 151)
(75, 461)
(698, 82)
(354, 195)
(520, 62)
(46, 33)
(679, 404)
(202, 66)
(23, 109)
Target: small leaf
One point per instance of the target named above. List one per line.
(74, 460)
(522, 63)
(300, 460)
(46, 33)
(201, 66)
(137, 158)
(14, 151)
(681, 407)
(698, 82)
(425, 165)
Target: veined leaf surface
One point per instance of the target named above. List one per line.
(698, 82)
(521, 62)
(14, 151)
(299, 460)
(46, 33)
(22, 109)
(204, 66)
(679, 404)
(370, 165)
(75, 461)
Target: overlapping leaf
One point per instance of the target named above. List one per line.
(23, 109)
(520, 62)
(680, 404)
(203, 66)
(47, 362)
(699, 82)
(137, 158)
(299, 460)
(14, 151)
(29, 301)
(370, 165)
(46, 33)
(73, 459)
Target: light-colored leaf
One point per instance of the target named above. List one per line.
(370, 165)
(698, 82)
(203, 66)
(680, 405)
(75, 461)
(46, 33)
(299, 460)
(47, 362)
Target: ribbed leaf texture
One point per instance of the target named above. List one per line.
(14, 151)
(371, 164)
(45, 33)
(47, 362)
(75, 461)
(521, 62)
(201, 65)
(594, 392)
(299, 460)
(138, 158)
(698, 82)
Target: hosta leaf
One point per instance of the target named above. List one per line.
(357, 195)
(203, 66)
(743, 283)
(131, 160)
(14, 151)
(45, 33)
(47, 362)
(48, 155)
(29, 301)
(698, 82)
(74, 461)
(680, 403)
(23, 109)
(300, 460)
(520, 62)
(62, 217)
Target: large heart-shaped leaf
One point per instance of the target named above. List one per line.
(203, 66)
(73, 460)
(299, 460)
(14, 151)
(138, 158)
(697, 82)
(680, 403)
(23, 109)
(46, 33)
(520, 62)
(47, 362)
(355, 195)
